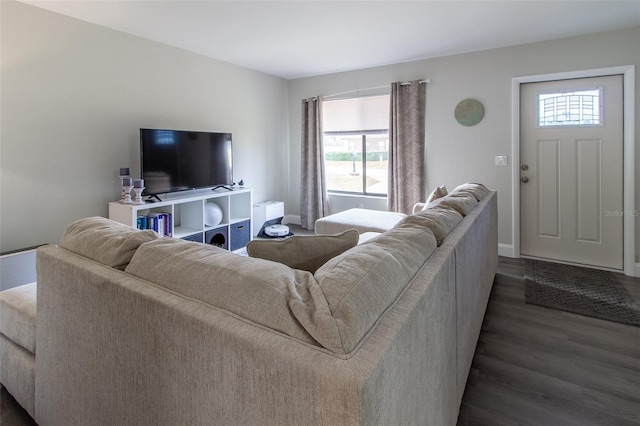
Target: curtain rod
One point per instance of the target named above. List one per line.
(425, 81)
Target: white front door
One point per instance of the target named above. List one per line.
(571, 158)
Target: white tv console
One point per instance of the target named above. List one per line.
(187, 212)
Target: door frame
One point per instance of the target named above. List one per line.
(628, 72)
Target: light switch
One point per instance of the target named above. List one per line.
(501, 160)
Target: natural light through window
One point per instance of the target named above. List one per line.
(356, 145)
(574, 108)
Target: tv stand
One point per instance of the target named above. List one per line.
(222, 186)
(183, 216)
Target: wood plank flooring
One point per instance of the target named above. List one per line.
(11, 413)
(533, 365)
(538, 366)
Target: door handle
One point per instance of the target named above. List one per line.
(524, 179)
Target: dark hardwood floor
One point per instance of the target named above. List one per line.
(538, 366)
(533, 365)
(11, 413)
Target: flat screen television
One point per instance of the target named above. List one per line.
(178, 160)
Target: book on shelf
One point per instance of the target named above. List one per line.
(159, 222)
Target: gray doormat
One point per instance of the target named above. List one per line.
(584, 291)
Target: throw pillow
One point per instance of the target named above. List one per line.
(307, 253)
(438, 192)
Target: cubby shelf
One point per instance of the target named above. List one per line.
(187, 211)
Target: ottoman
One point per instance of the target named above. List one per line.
(363, 220)
(18, 344)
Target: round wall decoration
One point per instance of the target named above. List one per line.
(469, 112)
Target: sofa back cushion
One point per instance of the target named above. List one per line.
(104, 241)
(461, 202)
(306, 252)
(440, 219)
(478, 190)
(253, 289)
(354, 289)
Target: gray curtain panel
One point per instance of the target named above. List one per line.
(313, 197)
(407, 146)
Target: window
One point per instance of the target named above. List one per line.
(571, 108)
(356, 145)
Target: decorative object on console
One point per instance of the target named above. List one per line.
(127, 184)
(138, 187)
(124, 173)
(469, 112)
(212, 214)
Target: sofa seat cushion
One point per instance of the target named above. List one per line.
(104, 241)
(441, 220)
(363, 220)
(250, 288)
(18, 315)
(306, 252)
(354, 289)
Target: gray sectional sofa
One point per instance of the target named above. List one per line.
(133, 329)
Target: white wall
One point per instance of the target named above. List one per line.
(73, 97)
(456, 154)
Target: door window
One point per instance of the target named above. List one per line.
(575, 108)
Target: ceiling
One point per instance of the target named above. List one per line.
(300, 38)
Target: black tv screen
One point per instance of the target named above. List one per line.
(178, 160)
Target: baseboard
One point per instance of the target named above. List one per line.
(505, 250)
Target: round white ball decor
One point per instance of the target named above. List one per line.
(212, 214)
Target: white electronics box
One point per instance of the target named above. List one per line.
(267, 210)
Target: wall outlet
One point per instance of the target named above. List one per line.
(501, 160)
